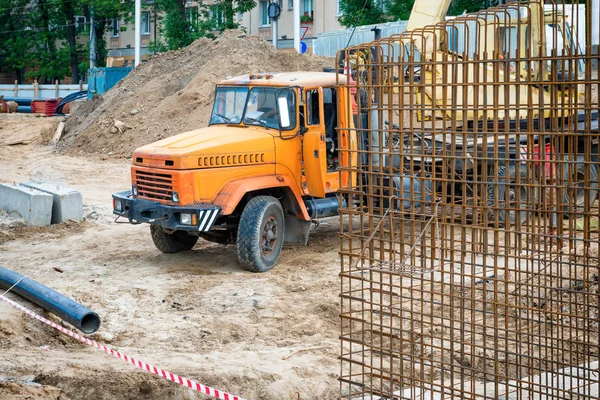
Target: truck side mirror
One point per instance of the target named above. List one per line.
(284, 112)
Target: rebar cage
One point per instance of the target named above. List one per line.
(469, 238)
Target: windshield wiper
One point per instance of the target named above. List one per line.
(259, 121)
(223, 117)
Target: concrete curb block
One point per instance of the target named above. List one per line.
(33, 205)
(67, 202)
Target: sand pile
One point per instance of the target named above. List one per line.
(173, 93)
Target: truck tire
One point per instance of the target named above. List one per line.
(574, 173)
(505, 190)
(175, 242)
(260, 234)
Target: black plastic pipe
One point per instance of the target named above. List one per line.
(321, 208)
(74, 313)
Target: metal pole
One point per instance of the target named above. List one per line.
(155, 39)
(92, 41)
(138, 20)
(297, 26)
(274, 32)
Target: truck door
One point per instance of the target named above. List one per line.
(313, 142)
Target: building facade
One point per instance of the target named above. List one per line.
(120, 39)
(316, 16)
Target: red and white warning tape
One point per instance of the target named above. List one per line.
(140, 364)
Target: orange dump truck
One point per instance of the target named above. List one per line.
(264, 168)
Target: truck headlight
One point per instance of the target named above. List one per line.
(175, 197)
(186, 219)
(118, 205)
(134, 190)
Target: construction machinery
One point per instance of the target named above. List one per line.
(264, 168)
(469, 251)
(431, 69)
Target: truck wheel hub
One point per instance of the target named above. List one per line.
(269, 235)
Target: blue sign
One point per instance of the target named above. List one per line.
(303, 47)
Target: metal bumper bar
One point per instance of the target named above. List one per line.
(202, 215)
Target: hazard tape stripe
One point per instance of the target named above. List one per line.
(212, 220)
(201, 215)
(206, 219)
(140, 364)
(202, 220)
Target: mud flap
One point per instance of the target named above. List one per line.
(296, 230)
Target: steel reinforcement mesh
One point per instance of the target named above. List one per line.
(469, 242)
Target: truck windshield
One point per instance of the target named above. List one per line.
(257, 106)
(261, 108)
(229, 105)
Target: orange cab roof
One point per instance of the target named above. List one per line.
(298, 78)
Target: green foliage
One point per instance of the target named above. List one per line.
(156, 46)
(400, 10)
(38, 36)
(306, 18)
(182, 25)
(458, 7)
(361, 12)
(17, 37)
(352, 13)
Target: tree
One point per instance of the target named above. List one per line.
(104, 11)
(458, 7)
(361, 12)
(181, 25)
(17, 37)
(176, 27)
(69, 11)
(353, 14)
(230, 8)
(400, 9)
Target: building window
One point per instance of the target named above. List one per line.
(308, 7)
(337, 9)
(80, 23)
(264, 13)
(291, 4)
(114, 27)
(381, 4)
(191, 14)
(216, 16)
(145, 25)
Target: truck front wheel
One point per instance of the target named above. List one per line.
(260, 234)
(175, 242)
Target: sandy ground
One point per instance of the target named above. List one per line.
(197, 314)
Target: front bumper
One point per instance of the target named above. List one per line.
(169, 217)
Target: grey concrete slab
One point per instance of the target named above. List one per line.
(33, 205)
(67, 202)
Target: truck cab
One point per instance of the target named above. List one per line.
(257, 176)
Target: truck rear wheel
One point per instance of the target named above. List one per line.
(508, 193)
(576, 192)
(260, 234)
(175, 242)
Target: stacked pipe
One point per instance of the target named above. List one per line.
(24, 103)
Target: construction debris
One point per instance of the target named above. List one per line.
(59, 133)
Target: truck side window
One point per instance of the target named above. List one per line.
(330, 117)
(312, 108)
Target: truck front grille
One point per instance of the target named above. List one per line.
(154, 186)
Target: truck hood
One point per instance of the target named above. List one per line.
(211, 147)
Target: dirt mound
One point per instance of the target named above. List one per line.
(173, 93)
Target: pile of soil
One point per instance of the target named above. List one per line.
(173, 93)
